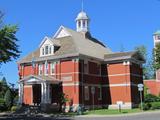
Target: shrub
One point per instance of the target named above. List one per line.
(2, 101)
(151, 98)
(8, 99)
(2, 105)
(13, 108)
(155, 105)
(146, 106)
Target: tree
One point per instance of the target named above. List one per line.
(156, 56)
(148, 70)
(8, 99)
(4, 87)
(8, 47)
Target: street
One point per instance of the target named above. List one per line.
(139, 116)
(147, 116)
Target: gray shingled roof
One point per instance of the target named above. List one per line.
(74, 45)
(123, 56)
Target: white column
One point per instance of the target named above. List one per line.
(20, 93)
(45, 93)
(81, 24)
(42, 93)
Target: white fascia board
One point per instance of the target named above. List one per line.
(44, 39)
(59, 31)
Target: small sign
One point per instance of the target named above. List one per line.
(93, 90)
(140, 89)
(140, 85)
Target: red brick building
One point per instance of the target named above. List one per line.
(81, 67)
(153, 86)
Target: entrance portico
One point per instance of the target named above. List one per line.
(38, 89)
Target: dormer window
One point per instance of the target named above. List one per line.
(46, 50)
(49, 47)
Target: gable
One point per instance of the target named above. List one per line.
(61, 33)
(45, 41)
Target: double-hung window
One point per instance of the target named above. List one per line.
(52, 68)
(40, 69)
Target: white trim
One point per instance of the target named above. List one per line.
(112, 75)
(126, 105)
(137, 75)
(27, 86)
(98, 85)
(71, 84)
(119, 85)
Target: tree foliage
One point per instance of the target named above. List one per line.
(148, 70)
(8, 47)
(8, 99)
(3, 87)
(156, 56)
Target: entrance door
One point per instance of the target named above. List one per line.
(37, 94)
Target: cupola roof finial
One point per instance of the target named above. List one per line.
(82, 6)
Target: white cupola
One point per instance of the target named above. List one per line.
(82, 22)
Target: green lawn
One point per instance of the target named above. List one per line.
(110, 112)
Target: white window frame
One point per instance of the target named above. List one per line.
(52, 64)
(40, 69)
(86, 93)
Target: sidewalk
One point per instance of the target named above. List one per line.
(121, 115)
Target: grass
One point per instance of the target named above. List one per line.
(110, 112)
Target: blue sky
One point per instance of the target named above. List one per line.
(116, 23)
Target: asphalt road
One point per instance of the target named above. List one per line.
(142, 116)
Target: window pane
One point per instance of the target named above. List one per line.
(40, 69)
(46, 50)
(42, 51)
(52, 68)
